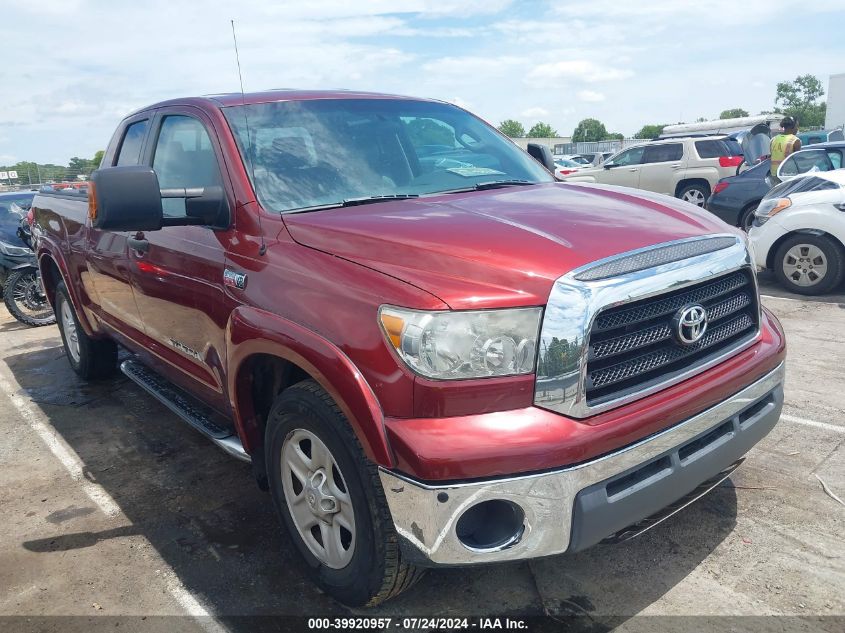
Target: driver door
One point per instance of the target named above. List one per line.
(623, 169)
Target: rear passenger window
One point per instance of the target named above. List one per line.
(184, 158)
(663, 153)
(130, 146)
(717, 149)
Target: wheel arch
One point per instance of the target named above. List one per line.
(770, 256)
(267, 353)
(54, 270)
(686, 182)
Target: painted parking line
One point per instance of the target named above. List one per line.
(807, 301)
(38, 422)
(813, 423)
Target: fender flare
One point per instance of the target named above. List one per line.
(59, 260)
(253, 331)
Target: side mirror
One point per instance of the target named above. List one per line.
(609, 165)
(543, 155)
(129, 199)
(125, 199)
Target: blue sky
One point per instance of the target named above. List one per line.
(73, 68)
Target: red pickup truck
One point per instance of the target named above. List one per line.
(431, 352)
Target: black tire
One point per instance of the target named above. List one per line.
(700, 191)
(746, 217)
(376, 570)
(96, 358)
(832, 256)
(17, 282)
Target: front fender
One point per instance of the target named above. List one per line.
(253, 331)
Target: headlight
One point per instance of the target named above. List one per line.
(14, 251)
(767, 208)
(470, 344)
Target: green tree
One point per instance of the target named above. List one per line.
(98, 158)
(512, 128)
(650, 131)
(429, 132)
(800, 100)
(733, 113)
(542, 130)
(614, 136)
(589, 130)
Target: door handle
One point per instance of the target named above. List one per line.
(633, 169)
(138, 244)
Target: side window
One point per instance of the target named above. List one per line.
(835, 157)
(185, 158)
(788, 167)
(632, 156)
(663, 153)
(130, 146)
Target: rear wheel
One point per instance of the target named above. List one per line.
(90, 358)
(809, 264)
(25, 298)
(746, 217)
(329, 496)
(696, 193)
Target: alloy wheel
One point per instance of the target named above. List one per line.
(694, 196)
(318, 499)
(71, 333)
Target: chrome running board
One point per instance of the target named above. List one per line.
(191, 410)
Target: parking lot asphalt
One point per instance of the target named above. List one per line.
(111, 506)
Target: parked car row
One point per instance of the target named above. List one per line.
(730, 176)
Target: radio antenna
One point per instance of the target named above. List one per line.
(263, 248)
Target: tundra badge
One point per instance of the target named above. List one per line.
(234, 279)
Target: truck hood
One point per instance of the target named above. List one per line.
(503, 247)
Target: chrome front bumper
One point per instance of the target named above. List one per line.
(426, 515)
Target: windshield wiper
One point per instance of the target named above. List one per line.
(354, 202)
(492, 184)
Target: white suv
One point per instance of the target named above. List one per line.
(687, 168)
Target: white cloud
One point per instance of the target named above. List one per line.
(590, 96)
(535, 113)
(577, 69)
(559, 62)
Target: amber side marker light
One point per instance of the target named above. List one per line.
(393, 326)
(92, 202)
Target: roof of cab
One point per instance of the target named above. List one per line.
(270, 96)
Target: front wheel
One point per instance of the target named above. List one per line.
(809, 264)
(696, 194)
(329, 496)
(24, 297)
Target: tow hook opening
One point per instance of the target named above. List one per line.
(491, 526)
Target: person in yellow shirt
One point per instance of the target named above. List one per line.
(783, 145)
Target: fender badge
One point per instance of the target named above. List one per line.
(234, 279)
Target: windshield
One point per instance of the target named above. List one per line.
(321, 152)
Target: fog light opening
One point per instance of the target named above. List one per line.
(491, 526)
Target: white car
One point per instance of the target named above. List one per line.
(564, 166)
(573, 157)
(799, 232)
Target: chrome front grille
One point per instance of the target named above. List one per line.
(609, 340)
(634, 344)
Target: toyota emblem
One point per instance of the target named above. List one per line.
(690, 323)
